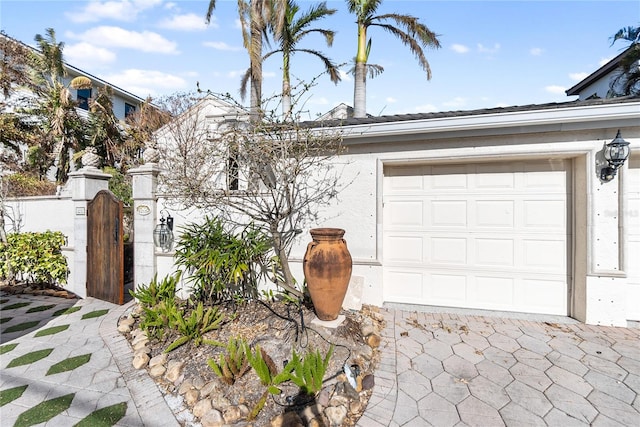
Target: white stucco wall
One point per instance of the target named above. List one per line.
(576, 134)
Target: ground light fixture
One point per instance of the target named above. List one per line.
(163, 233)
(615, 153)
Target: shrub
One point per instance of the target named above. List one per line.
(23, 185)
(195, 326)
(232, 365)
(34, 258)
(222, 265)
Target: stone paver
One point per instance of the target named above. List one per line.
(436, 369)
(492, 371)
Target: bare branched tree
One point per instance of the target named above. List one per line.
(276, 175)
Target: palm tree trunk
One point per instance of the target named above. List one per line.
(286, 87)
(360, 91)
(255, 57)
(360, 83)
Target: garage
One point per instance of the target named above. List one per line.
(492, 236)
(632, 225)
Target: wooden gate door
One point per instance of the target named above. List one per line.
(105, 249)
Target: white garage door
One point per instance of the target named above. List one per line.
(632, 227)
(488, 236)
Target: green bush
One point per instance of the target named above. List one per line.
(120, 185)
(194, 327)
(22, 185)
(34, 258)
(222, 265)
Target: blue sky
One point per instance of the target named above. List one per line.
(494, 53)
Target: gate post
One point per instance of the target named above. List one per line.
(145, 181)
(85, 184)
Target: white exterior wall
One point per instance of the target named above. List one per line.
(598, 285)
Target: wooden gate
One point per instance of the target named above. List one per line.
(105, 249)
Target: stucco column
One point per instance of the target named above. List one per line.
(85, 184)
(145, 181)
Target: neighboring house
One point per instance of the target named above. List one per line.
(598, 83)
(124, 102)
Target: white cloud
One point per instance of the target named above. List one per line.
(345, 77)
(236, 73)
(108, 36)
(146, 82)
(555, 89)
(484, 49)
(391, 100)
(605, 60)
(536, 51)
(188, 22)
(222, 46)
(460, 48)
(84, 54)
(456, 102)
(125, 10)
(578, 76)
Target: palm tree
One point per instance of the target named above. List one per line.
(61, 127)
(629, 78)
(409, 30)
(294, 29)
(104, 130)
(255, 15)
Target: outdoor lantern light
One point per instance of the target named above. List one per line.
(615, 153)
(163, 233)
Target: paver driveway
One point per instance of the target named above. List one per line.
(446, 369)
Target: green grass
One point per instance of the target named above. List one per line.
(51, 331)
(69, 364)
(3, 300)
(21, 327)
(7, 348)
(44, 411)
(66, 311)
(105, 417)
(5, 320)
(16, 305)
(40, 308)
(96, 313)
(11, 394)
(28, 358)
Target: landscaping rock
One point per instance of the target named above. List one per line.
(140, 360)
(288, 419)
(373, 340)
(160, 359)
(174, 370)
(191, 396)
(209, 388)
(157, 371)
(232, 414)
(368, 382)
(336, 415)
(212, 418)
(202, 407)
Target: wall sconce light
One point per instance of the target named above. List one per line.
(615, 153)
(163, 233)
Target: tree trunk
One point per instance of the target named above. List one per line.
(289, 283)
(360, 83)
(360, 91)
(255, 58)
(286, 88)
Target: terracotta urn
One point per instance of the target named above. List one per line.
(327, 269)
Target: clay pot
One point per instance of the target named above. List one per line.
(327, 269)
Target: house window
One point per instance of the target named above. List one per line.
(232, 173)
(129, 109)
(83, 97)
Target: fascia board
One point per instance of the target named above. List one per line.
(497, 123)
